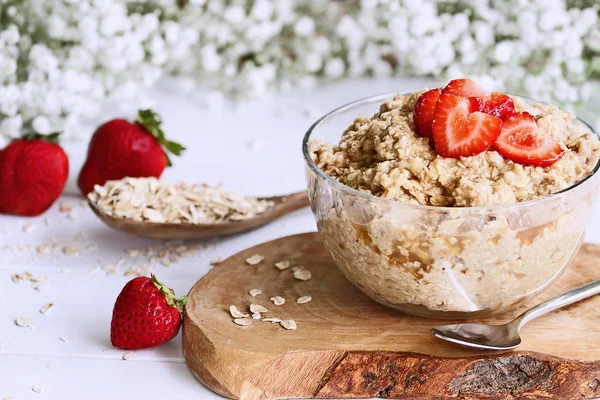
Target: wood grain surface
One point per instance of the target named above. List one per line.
(348, 346)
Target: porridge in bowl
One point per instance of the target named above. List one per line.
(459, 206)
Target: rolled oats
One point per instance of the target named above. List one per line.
(256, 315)
(235, 313)
(302, 274)
(303, 299)
(288, 324)
(277, 300)
(255, 292)
(129, 356)
(281, 265)
(272, 320)
(45, 308)
(242, 321)
(23, 322)
(257, 308)
(255, 259)
(149, 199)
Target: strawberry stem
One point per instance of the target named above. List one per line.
(50, 138)
(152, 122)
(169, 294)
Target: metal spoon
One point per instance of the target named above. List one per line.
(170, 231)
(506, 337)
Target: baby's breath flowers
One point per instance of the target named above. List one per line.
(61, 60)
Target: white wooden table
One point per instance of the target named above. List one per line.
(68, 354)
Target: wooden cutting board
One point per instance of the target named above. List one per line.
(348, 346)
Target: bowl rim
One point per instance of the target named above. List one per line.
(389, 96)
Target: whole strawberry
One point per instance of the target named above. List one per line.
(33, 173)
(146, 314)
(120, 149)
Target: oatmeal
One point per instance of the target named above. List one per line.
(454, 259)
(383, 156)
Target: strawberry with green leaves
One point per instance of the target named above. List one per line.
(146, 314)
(120, 149)
(33, 173)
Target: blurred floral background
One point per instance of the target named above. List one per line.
(63, 60)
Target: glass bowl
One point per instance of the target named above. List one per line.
(443, 262)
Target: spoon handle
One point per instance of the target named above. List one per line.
(564, 299)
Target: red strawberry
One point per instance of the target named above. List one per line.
(464, 87)
(33, 173)
(146, 314)
(423, 113)
(120, 149)
(459, 130)
(499, 105)
(520, 142)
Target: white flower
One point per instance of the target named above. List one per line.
(305, 26)
(41, 124)
(334, 68)
(11, 126)
(234, 14)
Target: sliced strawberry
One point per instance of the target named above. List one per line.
(465, 87)
(521, 142)
(499, 105)
(423, 114)
(461, 131)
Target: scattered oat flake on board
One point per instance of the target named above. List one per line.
(129, 356)
(216, 260)
(289, 324)
(62, 340)
(36, 389)
(256, 315)
(23, 322)
(45, 308)
(302, 274)
(257, 308)
(255, 292)
(277, 300)
(255, 259)
(273, 320)
(242, 321)
(235, 313)
(281, 265)
(303, 299)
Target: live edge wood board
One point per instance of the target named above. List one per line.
(348, 346)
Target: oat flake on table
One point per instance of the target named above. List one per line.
(149, 199)
(255, 292)
(45, 308)
(129, 356)
(256, 315)
(23, 322)
(36, 389)
(242, 321)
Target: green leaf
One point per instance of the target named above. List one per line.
(174, 147)
(50, 138)
(152, 122)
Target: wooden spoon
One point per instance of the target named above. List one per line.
(170, 231)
